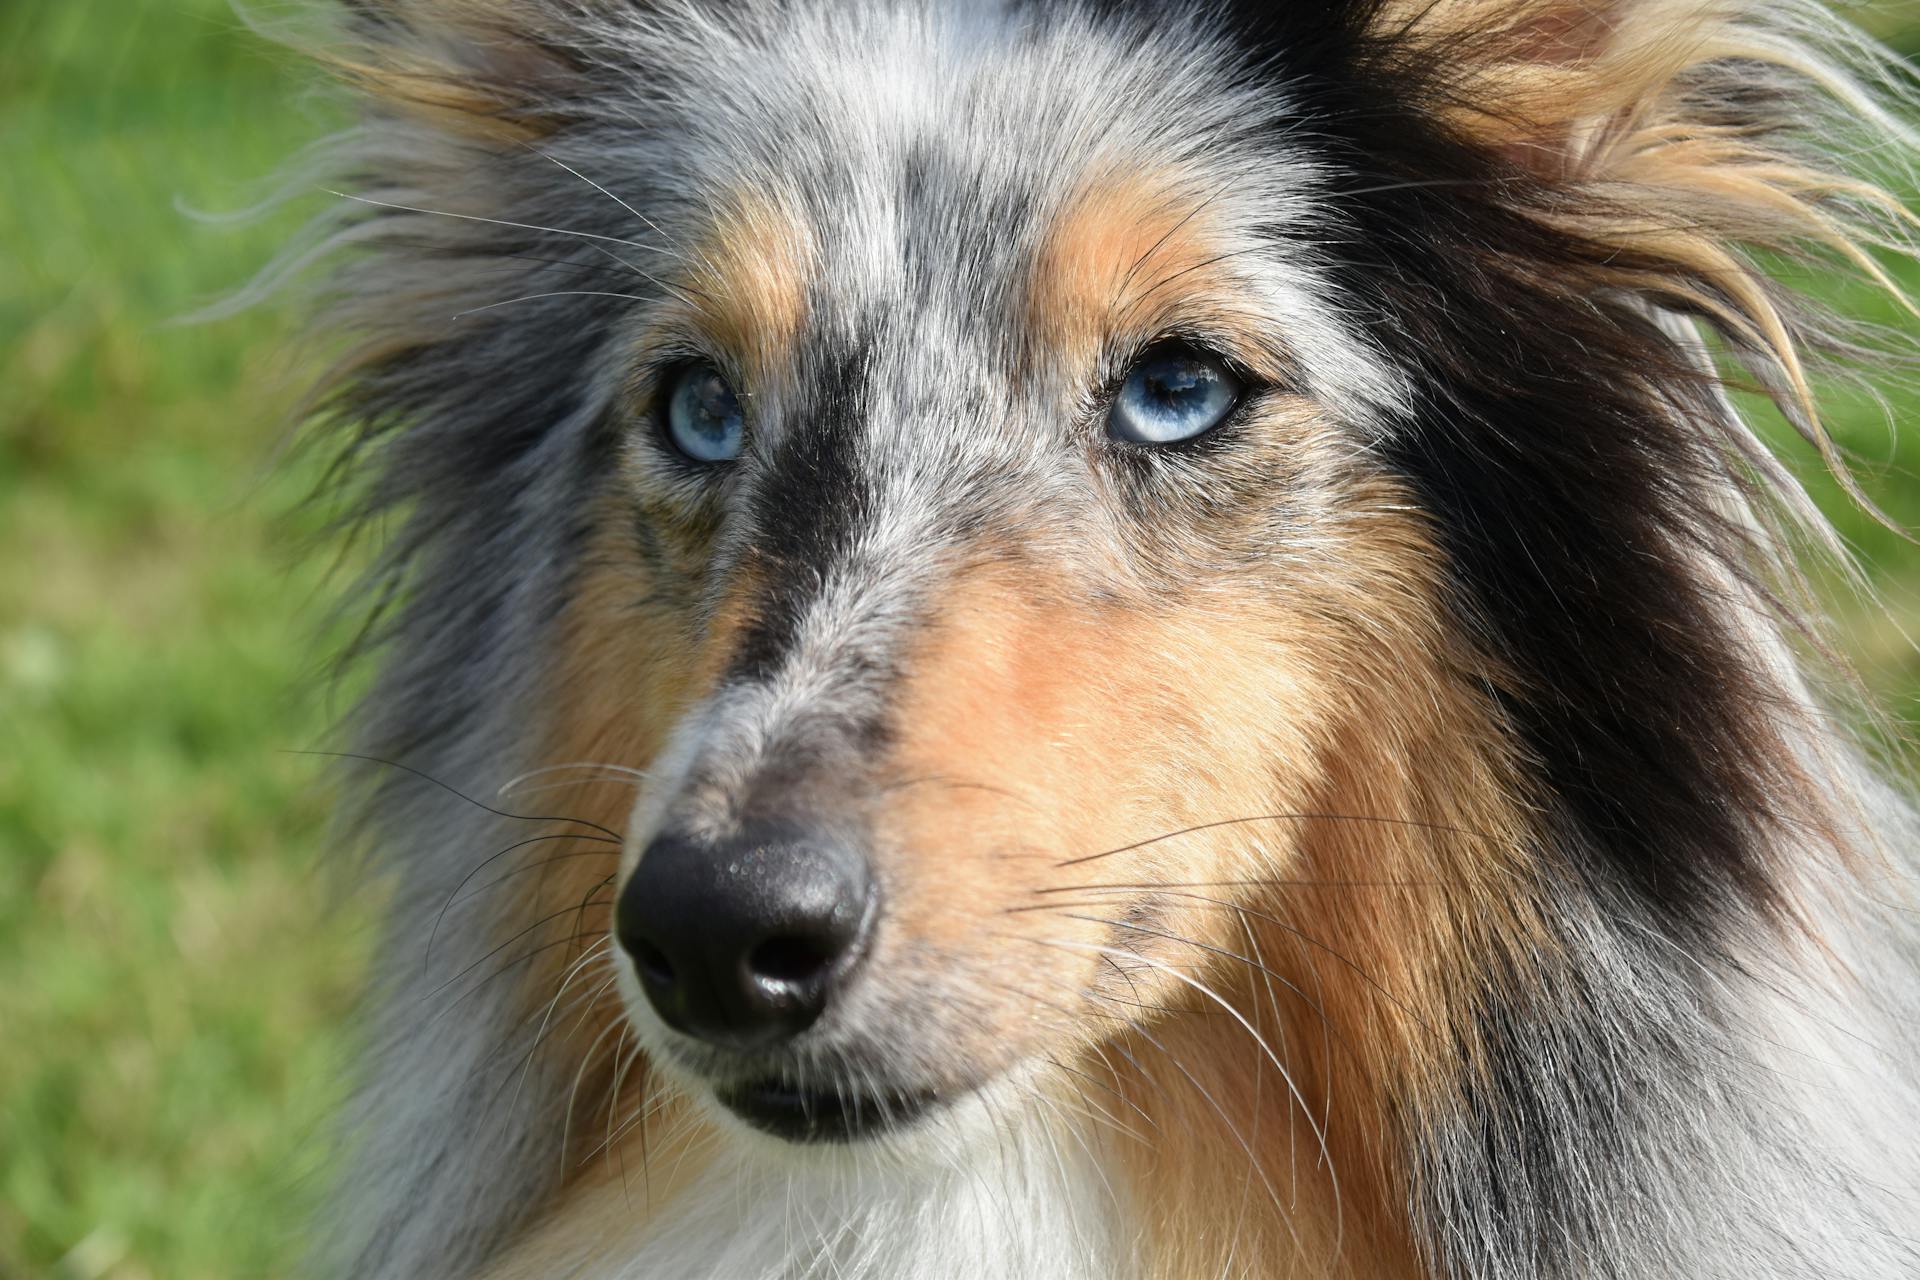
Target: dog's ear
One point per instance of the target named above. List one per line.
(1674, 138)
(1568, 88)
(489, 256)
(1545, 83)
(502, 70)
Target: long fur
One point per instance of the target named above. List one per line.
(1566, 929)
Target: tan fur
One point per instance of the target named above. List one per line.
(627, 674)
(1593, 97)
(623, 1184)
(1040, 723)
(1263, 1009)
(440, 95)
(1028, 709)
(748, 281)
(1130, 256)
(629, 670)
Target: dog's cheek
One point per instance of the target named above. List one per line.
(1058, 762)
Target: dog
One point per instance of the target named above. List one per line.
(1081, 638)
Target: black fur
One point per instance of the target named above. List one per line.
(811, 502)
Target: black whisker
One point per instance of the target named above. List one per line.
(1415, 823)
(454, 791)
(546, 919)
(453, 898)
(1308, 938)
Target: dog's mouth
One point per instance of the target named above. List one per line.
(824, 1114)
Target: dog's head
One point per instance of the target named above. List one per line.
(992, 470)
(1089, 515)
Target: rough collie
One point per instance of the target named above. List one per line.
(1115, 639)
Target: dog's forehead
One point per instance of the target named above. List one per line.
(884, 93)
(917, 160)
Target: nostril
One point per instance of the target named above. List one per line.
(792, 961)
(651, 961)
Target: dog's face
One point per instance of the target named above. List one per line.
(998, 546)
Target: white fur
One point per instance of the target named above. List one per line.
(1010, 1186)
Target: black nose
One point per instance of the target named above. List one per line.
(741, 941)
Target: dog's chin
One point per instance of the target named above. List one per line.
(826, 1113)
(797, 1104)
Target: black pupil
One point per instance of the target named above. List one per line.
(1172, 382)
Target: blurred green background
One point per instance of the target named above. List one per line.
(175, 974)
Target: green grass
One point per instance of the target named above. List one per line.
(173, 985)
(174, 979)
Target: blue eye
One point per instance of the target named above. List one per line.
(704, 420)
(1174, 392)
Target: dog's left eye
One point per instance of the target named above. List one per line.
(1174, 392)
(704, 418)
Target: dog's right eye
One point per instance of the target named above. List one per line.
(704, 418)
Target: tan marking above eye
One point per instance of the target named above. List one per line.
(747, 282)
(1129, 258)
